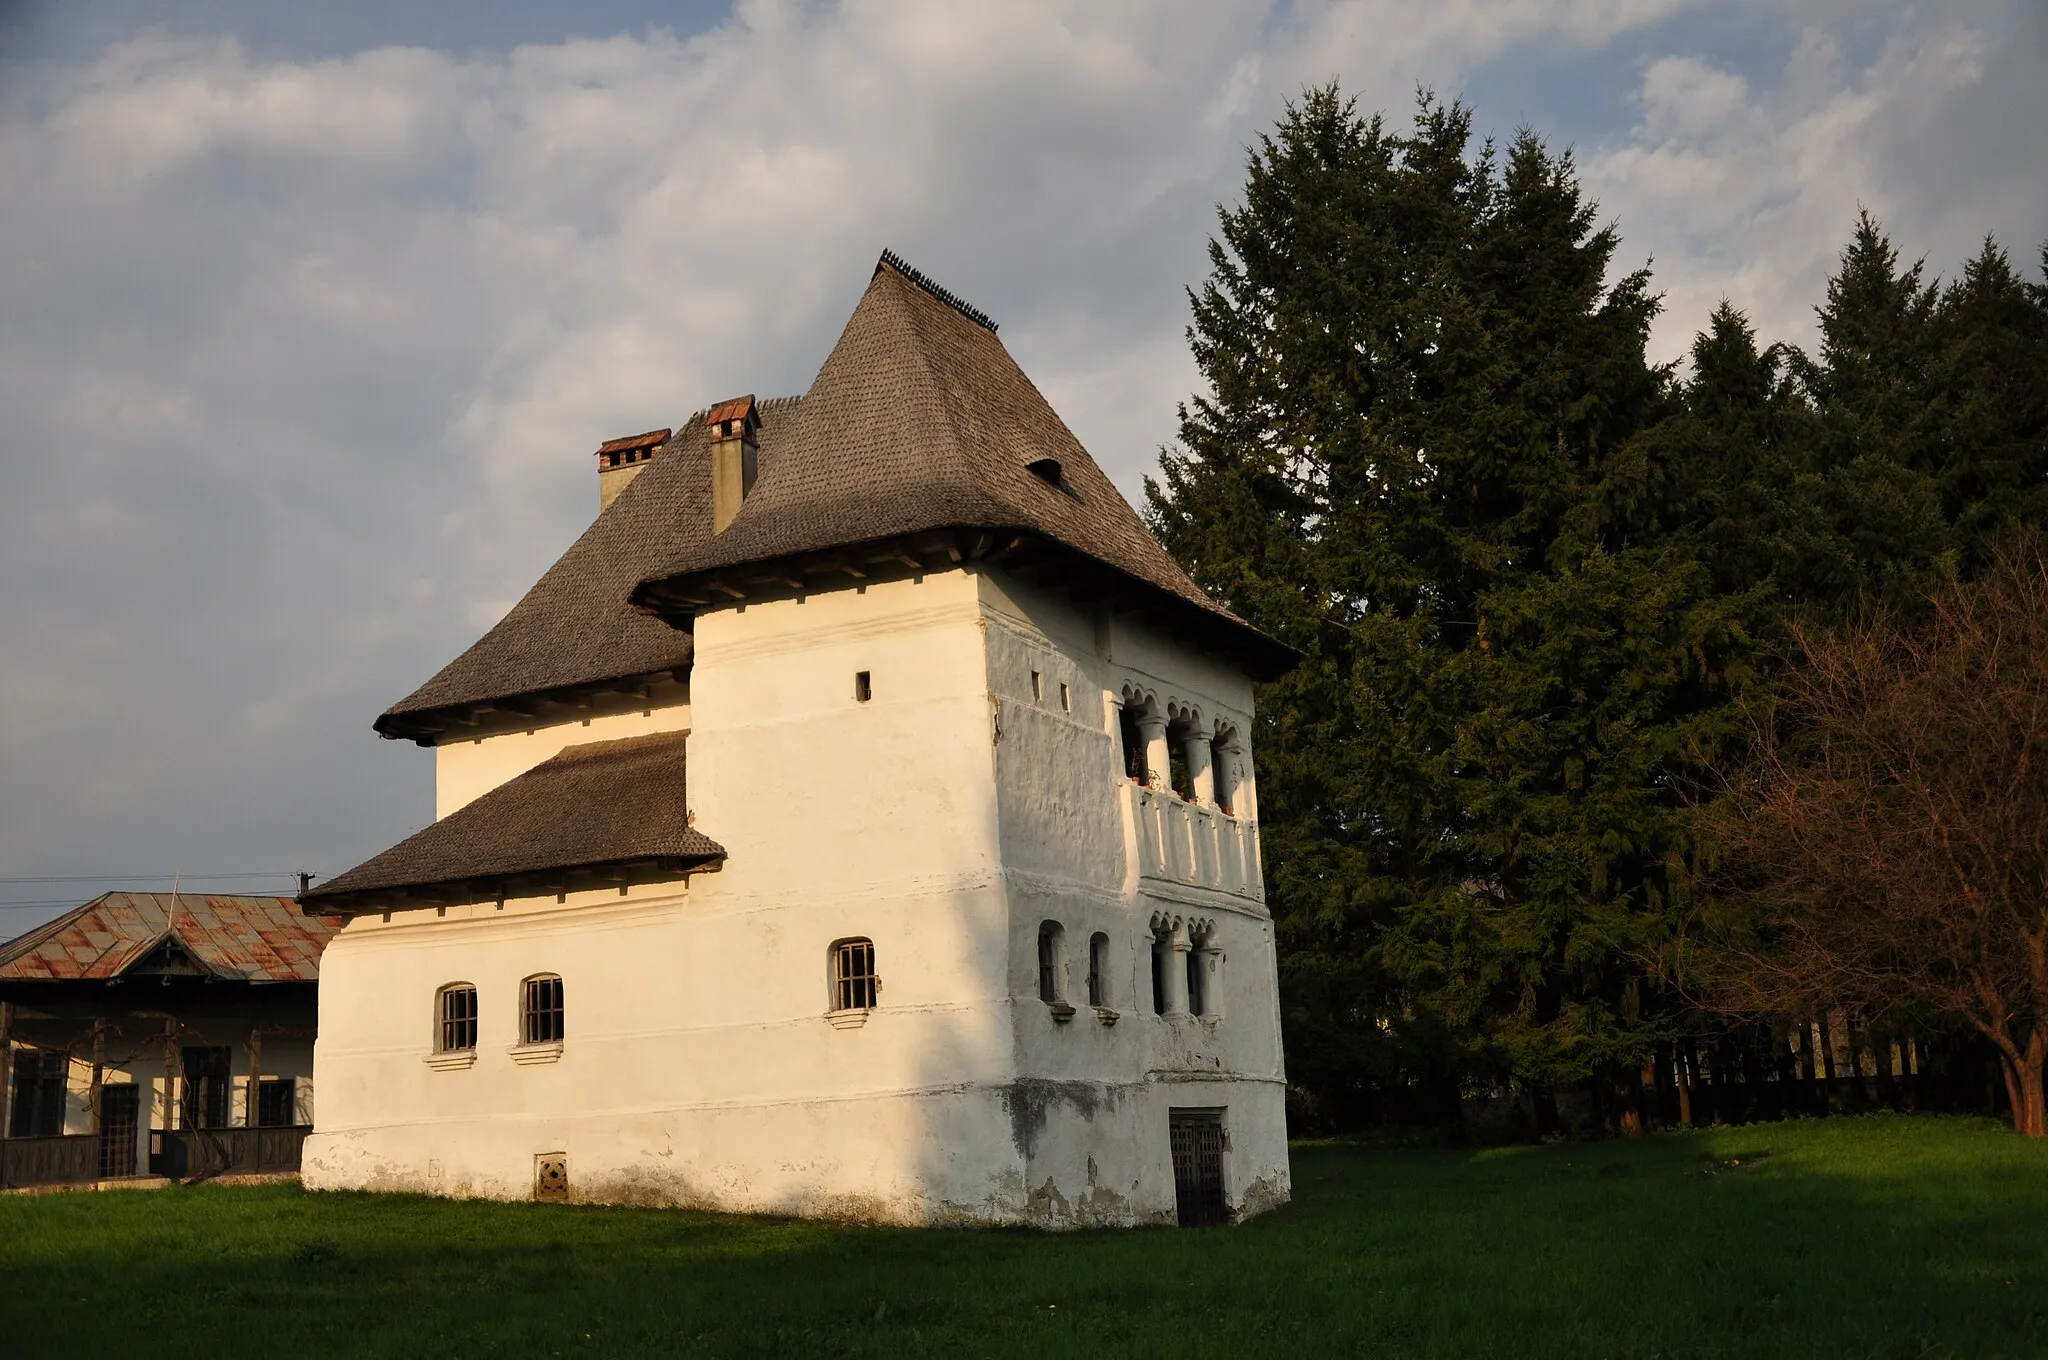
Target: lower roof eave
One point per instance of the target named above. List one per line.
(533, 883)
(426, 726)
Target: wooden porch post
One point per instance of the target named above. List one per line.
(6, 1065)
(171, 1069)
(99, 1072)
(251, 1105)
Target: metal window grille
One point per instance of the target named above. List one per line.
(120, 1118)
(458, 1019)
(541, 1011)
(853, 975)
(1048, 963)
(1098, 970)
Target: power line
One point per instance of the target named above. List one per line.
(149, 878)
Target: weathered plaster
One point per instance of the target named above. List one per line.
(944, 818)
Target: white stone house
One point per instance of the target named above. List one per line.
(953, 913)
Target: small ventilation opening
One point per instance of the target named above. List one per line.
(862, 689)
(551, 1176)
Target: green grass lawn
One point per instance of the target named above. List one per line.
(1886, 1236)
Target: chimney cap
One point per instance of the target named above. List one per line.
(628, 443)
(738, 410)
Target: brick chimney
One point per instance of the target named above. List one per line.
(619, 461)
(735, 454)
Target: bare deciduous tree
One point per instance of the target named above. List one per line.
(1889, 838)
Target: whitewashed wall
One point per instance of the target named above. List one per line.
(942, 820)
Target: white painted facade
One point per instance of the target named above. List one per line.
(947, 817)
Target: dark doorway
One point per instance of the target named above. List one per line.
(120, 1118)
(206, 1088)
(1196, 1137)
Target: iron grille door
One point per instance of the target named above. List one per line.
(120, 1117)
(1196, 1138)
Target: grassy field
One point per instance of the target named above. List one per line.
(1884, 1236)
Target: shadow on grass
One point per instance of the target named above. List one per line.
(1886, 1236)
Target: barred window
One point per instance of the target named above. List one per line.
(540, 1010)
(455, 1009)
(854, 983)
(1049, 941)
(1098, 969)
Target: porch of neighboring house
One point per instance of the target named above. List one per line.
(186, 1054)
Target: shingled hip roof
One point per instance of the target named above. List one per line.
(577, 627)
(920, 420)
(236, 939)
(602, 805)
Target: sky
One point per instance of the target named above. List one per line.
(312, 315)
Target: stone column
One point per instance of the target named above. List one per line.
(1158, 766)
(1201, 770)
(1177, 972)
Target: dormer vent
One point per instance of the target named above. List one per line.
(1049, 471)
(619, 461)
(735, 456)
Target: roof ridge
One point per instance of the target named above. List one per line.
(930, 285)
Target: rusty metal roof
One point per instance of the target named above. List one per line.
(634, 441)
(239, 939)
(734, 408)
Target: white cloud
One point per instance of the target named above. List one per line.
(1748, 190)
(303, 360)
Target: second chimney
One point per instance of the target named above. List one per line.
(619, 461)
(735, 455)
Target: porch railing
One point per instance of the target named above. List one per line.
(66, 1159)
(188, 1153)
(1194, 843)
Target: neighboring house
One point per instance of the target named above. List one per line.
(158, 1034)
(953, 912)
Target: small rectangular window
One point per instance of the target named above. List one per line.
(1037, 686)
(1098, 969)
(277, 1103)
(456, 1031)
(541, 1011)
(1066, 698)
(862, 690)
(854, 983)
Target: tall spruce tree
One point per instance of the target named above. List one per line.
(1432, 456)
